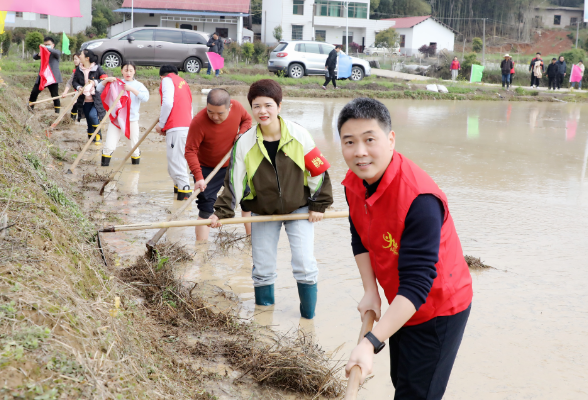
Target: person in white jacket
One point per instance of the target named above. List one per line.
(139, 94)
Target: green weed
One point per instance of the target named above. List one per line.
(8, 310)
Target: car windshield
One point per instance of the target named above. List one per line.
(280, 47)
(118, 36)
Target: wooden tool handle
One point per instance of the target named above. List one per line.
(226, 221)
(52, 98)
(151, 243)
(355, 373)
(106, 117)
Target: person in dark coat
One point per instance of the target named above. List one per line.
(86, 78)
(506, 66)
(215, 45)
(561, 71)
(330, 66)
(534, 79)
(552, 74)
(49, 43)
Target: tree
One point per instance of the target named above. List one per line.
(278, 33)
(247, 49)
(256, 12)
(33, 40)
(396, 8)
(477, 45)
(466, 65)
(387, 38)
(5, 39)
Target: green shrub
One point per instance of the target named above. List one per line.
(261, 52)
(33, 40)
(247, 49)
(19, 34)
(234, 50)
(6, 39)
(466, 65)
(477, 45)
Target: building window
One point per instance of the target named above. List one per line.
(557, 20)
(43, 16)
(321, 36)
(402, 40)
(152, 14)
(18, 14)
(350, 37)
(573, 21)
(297, 32)
(223, 32)
(328, 8)
(298, 7)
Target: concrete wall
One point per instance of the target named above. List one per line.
(271, 16)
(547, 17)
(58, 24)
(432, 31)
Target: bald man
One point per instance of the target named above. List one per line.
(212, 133)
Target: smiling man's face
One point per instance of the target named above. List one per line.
(367, 148)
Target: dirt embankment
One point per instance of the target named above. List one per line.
(71, 327)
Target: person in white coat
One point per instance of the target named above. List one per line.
(139, 94)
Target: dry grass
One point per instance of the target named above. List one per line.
(476, 263)
(292, 362)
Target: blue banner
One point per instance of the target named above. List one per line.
(344, 67)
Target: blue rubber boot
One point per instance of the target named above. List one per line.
(308, 296)
(264, 295)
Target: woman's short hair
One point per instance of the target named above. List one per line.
(167, 69)
(90, 55)
(365, 108)
(265, 88)
(129, 63)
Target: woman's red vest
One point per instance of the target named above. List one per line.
(379, 221)
(181, 113)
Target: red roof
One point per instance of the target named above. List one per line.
(237, 6)
(407, 22)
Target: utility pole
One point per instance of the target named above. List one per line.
(484, 41)
(71, 26)
(48, 23)
(313, 12)
(132, 14)
(265, 19)
(577, 32)
(347, 28)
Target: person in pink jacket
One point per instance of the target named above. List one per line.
(454, 68)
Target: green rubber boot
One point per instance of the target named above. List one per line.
(264, 295)
(308, 295)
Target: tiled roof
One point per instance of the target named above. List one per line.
(407, 22)
(240, 6)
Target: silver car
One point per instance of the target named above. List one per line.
(153, 46)
(298, 58)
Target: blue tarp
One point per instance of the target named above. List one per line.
(344, 67)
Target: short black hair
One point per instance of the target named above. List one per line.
(49, 39)
(89, 54)
(167, 69)
(581, 61)
(537, 53)
(219, 97)
(339, 46)
(215, 33)
(554, 59)
(365, 108)
(265, 88)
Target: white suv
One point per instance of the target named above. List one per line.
(298, 58)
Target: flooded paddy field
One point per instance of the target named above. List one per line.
(515, 176)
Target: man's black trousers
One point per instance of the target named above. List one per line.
(332, 76)
(422, 356)
(53, 89)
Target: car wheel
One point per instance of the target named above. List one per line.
(111, 60)
(296, 71)
(192, 65)
(356, 74)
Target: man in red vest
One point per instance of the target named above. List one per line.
(174, 121)
(403, 237)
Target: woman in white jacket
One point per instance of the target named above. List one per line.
(139, 94)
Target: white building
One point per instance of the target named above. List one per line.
(52, 23)
(222, 16)
(417, 31)
(322, 20)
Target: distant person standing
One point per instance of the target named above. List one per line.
(578, 84)
(215, 45)
(174, 121)
(512, 71)
(330, 66)
(552, 74)
(534, 80)
(49, 43)
(454, 68)
(505, 66)
(561, 71)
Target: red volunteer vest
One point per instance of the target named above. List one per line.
(181, 113)
(379, 221)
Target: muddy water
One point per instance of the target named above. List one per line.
(515, 176)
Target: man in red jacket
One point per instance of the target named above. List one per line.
(212, 133)
(403, 238)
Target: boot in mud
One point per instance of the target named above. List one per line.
(57, 110)
(97, 139)
(308, 296)
(106, 160)
(175, 189)
(136, 160)
(185, 193)
(264, 295)
(74, 116)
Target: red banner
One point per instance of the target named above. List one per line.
(121, 114)
(45, 73)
